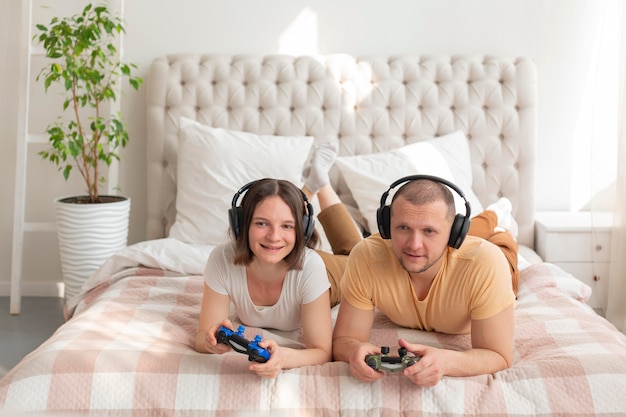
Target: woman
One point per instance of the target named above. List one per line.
(272, 276)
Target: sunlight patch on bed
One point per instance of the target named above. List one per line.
(451, 399)
(517, 402)
(113, 388)
(284, 392)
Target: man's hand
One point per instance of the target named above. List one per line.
(429, 370)
(358, 366)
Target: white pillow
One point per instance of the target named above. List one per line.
(214, 163)
(369, 176)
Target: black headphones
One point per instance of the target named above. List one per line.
(461, 223)
(235, 214)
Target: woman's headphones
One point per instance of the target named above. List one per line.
(460, 225)
(235, 213)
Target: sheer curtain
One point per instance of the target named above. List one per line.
(599, 138)
(616, 301)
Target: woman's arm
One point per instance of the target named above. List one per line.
(213, 313)
(317, 330)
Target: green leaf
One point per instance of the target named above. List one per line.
(66, 172)
(85, 63)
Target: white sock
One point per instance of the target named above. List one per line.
(317, 173)
(503, 209)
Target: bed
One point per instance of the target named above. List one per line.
(216, 121)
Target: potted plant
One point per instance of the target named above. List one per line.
(84, 61)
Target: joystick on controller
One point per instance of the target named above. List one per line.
(384, 362)
(240, 344)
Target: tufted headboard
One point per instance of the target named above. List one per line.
(366, 104)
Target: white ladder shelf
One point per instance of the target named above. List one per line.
(20, 226)
(25, 138)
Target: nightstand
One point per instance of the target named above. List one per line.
(579, 243)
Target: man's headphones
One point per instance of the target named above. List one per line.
(235, 214)
(461, 223)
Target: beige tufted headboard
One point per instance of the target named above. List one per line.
(367, 104)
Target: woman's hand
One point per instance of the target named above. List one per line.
(272, 367)
(210, 341)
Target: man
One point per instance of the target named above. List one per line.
(420, 280)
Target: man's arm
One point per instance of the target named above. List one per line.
(492, 351)
(350, 340)
(495, 336)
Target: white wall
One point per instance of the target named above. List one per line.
(570, 40)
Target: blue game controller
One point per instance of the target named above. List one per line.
(240, 344)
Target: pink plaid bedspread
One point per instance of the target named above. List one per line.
(127, 351)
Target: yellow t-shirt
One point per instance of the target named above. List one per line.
(474, 282)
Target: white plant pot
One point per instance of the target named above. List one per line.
(88, 235)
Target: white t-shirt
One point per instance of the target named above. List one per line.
(300, 287)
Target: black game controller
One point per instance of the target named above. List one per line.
(384, 362)
(239, 343)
